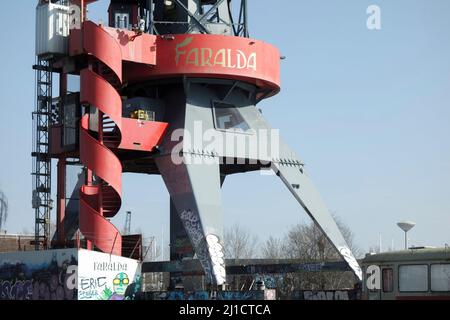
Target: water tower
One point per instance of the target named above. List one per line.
(406, 226)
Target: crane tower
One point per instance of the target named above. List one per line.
(167, 88)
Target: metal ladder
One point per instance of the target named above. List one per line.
(41, 201)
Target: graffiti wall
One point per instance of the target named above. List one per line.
(68, 274)
(106, 277)
(205, 295)
(327, 295)
(47, 275)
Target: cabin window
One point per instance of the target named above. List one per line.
(388, 280)
(440, 277)
(413, 278)
(228, 117)
(122, 20)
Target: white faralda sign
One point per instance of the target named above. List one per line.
(107, 277)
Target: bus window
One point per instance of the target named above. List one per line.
(413, 278)
(440, 277)
(388, 280)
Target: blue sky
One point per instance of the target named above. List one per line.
(367, 111)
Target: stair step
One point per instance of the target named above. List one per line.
(43, 98)
(41, 68)
(42, 113)
(43, 190)
(40, 174)
(42, 157)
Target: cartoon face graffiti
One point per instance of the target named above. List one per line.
(120, 283)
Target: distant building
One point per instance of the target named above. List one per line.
(16, 242)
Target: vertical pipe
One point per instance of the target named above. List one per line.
(246, 33)
(150, 8)
(62, 85)
(380, 243)
(89, 174)
(77, 239)
(89, 177)
(61, 202)
(162, 242)
(89, 181)
(61, 184)
(100, 139)
(406, 240)
(49, 164)
(83, 10)
(100, 127)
